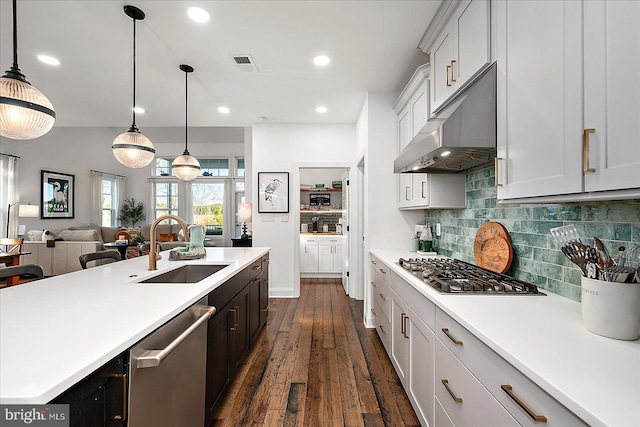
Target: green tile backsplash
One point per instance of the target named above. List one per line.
(537, 259)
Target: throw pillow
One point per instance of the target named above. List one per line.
(167, 237)
(79, 235)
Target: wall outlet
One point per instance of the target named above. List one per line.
(284, 218)
(418, 228)
(267, 218)
(438, 230)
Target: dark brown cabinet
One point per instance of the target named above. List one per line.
(237, 321)
(101, 398)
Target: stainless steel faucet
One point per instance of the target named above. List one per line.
(153, 255)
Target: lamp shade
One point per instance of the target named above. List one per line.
(29, 211)
(25, 113)
(186, 167)
(244, 212)
(133, 149)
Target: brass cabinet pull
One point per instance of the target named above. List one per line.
(451, 337)
(404, 324)
(374, 312)
(402, 315)
(123, 378)
(509, 390)
(424, 187)
(407, 192)
(496, 180)
(374, 284)
(256, 267)
(383, 271)
(382, 329)
(457, 399)
(585, 150)
(373, 262)
(383, 297)
(447, 72)
(235, 311)
(453, 75)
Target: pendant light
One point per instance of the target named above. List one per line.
(186, 167)
(25, 113)
(132, 148)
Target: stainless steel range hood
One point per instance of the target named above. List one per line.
(461, 136)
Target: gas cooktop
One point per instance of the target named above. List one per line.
(453, 276)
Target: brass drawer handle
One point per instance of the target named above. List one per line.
(235, 311)
(451, 337)
(373, 262)
(585, 150)
(374, 284)
(509, 390)
(457, 399)
(382, 271)
(382, 329)
(383, 297)
(404, 324)
(123, 378)
(447, 72)
(374, 312)
(453, 75)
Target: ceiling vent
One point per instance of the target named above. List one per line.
(244, 62)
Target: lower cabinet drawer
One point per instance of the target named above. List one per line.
(463, 397)
(441, 417)
(383, 326)
(381, 293)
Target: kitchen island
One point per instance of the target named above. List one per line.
(55, 332)
(595, 378)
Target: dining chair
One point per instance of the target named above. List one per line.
(26, 271)
(11, 245)
(109, 256)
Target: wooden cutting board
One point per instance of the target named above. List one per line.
(492, 247)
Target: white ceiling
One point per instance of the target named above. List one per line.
(372, 45)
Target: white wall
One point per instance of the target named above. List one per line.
(76, 151)
(286, 148)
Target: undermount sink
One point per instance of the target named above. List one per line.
(186, 274)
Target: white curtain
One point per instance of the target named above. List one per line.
(121, 182)
(8, 192)
(96, 198)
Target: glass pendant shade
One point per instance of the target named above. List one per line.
(25, 113)
(133, 149)
(186, 167)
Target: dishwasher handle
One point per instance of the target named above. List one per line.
(153, 358)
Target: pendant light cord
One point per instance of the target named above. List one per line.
(186, 106)
(133, 125)
(15, 34)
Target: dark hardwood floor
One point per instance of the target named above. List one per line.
(315, 364)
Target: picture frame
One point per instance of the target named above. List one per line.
(273, 192)
(57, 194)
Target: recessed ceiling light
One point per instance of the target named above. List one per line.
(48, 59)
(321, 109)
(223, 110)
(321, 60)
(198, 14)
(138, 110)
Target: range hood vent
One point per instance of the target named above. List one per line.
(460, 137)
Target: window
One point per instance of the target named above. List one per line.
(109, 202)
(208, 206)
(214, 167)
(163, 167)
(166, 196)
(240, 167)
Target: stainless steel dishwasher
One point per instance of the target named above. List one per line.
(167, 372)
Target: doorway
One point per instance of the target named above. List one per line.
(324, 223)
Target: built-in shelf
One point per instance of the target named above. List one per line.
(320, 190)
(321, 211)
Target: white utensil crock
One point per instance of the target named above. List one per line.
(611, 309)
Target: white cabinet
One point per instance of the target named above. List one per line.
(321, 254)
(431, 191)
(612, 101)
(412, 106)
(460, 51)
(562, 136)
(309, 256)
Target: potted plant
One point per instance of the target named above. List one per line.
(131, 212)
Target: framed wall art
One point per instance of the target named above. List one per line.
(273, 192)
(57, 194)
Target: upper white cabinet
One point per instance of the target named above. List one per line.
(562, 136)
(412, 106)
(431, 191)
(461, 50)
(612, 94)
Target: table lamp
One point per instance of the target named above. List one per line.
(25, 210)
(244, 216)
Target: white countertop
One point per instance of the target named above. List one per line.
(597, 378)
(56, 331)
